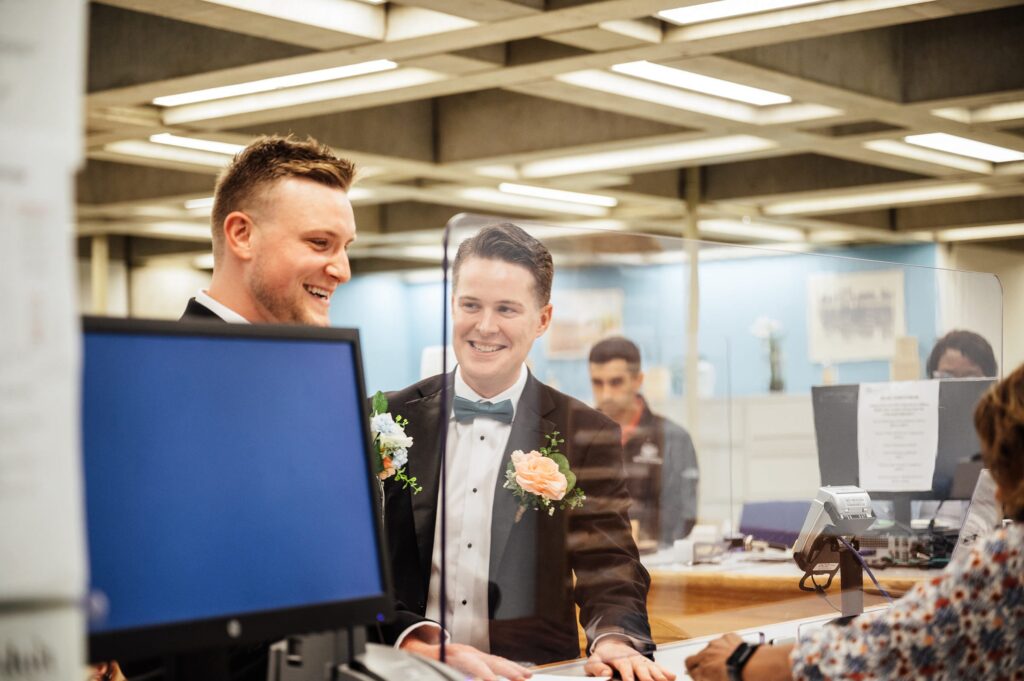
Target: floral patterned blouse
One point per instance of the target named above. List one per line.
(966, 623)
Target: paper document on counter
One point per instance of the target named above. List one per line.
(897, 435)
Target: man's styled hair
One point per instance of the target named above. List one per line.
(266, 160)
(511, 244)
(616, 347)
(971, 345)
(999, 419)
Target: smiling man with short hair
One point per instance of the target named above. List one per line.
(510, 593)
(282, 223)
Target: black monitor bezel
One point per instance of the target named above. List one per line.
(839, 421)
(254, 626)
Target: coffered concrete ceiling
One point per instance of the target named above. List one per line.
(595, 97)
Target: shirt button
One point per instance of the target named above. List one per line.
(464, 601)
(481, 437)
(474, 490)
(469, 545)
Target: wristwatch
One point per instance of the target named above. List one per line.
(738, 660)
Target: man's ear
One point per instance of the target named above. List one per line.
(238, 234)
(545, 320)
(639, 379)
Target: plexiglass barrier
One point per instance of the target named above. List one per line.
(655, 433)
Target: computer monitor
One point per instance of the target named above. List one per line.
(835, 428)
(230, 495)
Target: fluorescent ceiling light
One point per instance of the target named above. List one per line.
(305, 94)
(502, 172)
(162, 152)
(662, 95)
(876, 199)
(180, 230)
(653, 155)
(965, 147)
(897, 148)
(277, 83)
(330, 14)
(195, 204)
(984, 232)
(558, 195)
(495, 197)
(161, 212)
(831, 236)
(750, 230)
(994, 113)
(709, 11)
(359, 194)
(698, 83)
(198, 144)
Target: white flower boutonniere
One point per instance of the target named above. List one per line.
(543, 479)
(391, 444)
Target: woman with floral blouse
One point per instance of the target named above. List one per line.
(967, 623)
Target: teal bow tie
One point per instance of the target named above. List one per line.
(467, 410)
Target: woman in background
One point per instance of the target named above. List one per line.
(961, 354)
(967, 623)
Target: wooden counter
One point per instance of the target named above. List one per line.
(690, 601)
(696, 601)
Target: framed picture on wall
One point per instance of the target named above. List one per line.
(855, 316)
(582, 317)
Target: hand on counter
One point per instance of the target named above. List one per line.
(768, 663)
(709, 664)
(614, 655)
(466, 659)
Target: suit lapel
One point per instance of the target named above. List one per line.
(528, 430)
(425, 466)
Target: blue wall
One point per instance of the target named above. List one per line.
(398, 318)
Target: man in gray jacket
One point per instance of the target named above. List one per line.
(661, 463)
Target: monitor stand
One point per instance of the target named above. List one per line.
(209, 665)
(901, 513)
(307, 657)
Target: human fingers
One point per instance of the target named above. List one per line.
(595, 667)
(694, 661)
(624, 667)
(470, 661)
(642, 668)
(507, 668)
(659, 673)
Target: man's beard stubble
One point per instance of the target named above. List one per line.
(283, 309)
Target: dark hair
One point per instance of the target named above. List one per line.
(971, 345)
(511, 244)
(266, 160)
(999, 419)
(616, 347)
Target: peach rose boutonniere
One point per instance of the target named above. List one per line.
(542, 479)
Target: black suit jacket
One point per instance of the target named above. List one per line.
(530, 588)
(196, 311)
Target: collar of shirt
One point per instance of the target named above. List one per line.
(219, 309)
(513, 392)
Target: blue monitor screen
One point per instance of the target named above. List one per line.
(224, 475)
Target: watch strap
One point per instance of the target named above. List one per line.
(738, 660)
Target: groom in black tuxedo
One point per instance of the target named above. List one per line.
(510, 593)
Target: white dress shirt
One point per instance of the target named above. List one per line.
(475, 451)
(219, 309)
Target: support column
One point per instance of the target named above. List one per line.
(100, 268)
(691, 233)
